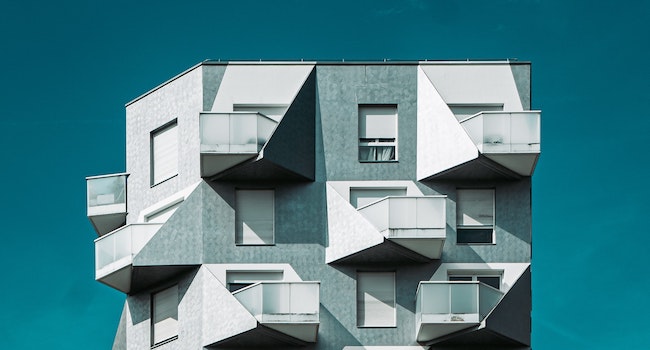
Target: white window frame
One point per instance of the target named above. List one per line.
(155, 177)
(463, 227)
(239, 224)
(377, 142)
(476, 276)
(169, 325)
(362, 314)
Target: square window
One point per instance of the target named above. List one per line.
(376, 299)
(475, 216)
(164, 315)
(254, 217)
(377, 133)
(164, 153)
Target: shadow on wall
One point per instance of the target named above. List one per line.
(408, 276)
(139, 305)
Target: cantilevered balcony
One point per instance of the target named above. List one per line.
(416, 223)
(106, 198)
(228, 139)
(288, 307)
(446, 307)
(511, 139)
(114, 253)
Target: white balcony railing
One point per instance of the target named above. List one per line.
(505, 132)
(116, 249)
(408, 217)
(454, 302)
(106, 194)
(236, 132)
(281, 302)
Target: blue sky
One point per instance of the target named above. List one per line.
(68, 68)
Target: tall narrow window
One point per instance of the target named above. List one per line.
(376, 299)
(377, 133)
(254, 216)
(164, 153)
(475, 216)
(164, 307)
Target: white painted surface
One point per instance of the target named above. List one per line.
(475, 84)
(268, 85)
(223, 315)
(348, 231)
(442, 142)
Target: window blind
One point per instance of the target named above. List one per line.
(254, 212)
(164, 149)
(165, 315)
(376, 299)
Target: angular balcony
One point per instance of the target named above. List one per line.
(446, 307)
(228, 139)
(114, 253)
(511, 139)
(106, 200)
(416, 223)
(291, 308)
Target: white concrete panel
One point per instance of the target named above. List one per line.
(223, 315)
(260, 85)
(442, 141)
(475, 84)
(348, 231)
(510, 272)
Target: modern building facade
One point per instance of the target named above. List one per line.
(324, 205)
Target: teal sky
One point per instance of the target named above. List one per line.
(68, 68)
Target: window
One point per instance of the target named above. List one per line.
(161, 215)
(239, 279)
(164, 307)
(376, 299)
(377, 133)
(464, 111)
(254, 217)
(475, 216)
(493, 281)
(275, 112)
(164, 153)
(360, 197)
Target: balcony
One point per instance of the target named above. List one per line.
(288, 307)
(106, 200)
(416, 223)
(511, 139)
(446, 307)
(228, 139)
(114, 253)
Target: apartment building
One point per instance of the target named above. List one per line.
(324, 205)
